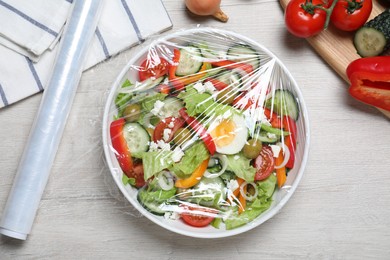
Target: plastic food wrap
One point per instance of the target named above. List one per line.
(206, 133)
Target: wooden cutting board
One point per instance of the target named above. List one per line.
(336, 47)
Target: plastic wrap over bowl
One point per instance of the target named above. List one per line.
(206, 133)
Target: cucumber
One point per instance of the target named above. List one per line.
(147, 84)
(171, 107)
(374, 37)
(137, 138)
(244, 53)
(209, 192)
(264, 138)
(284, 103)
(230, 78)
(190, 61)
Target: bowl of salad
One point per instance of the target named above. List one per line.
(206, 133)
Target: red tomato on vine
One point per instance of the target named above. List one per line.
(303, 18)
(350, 15)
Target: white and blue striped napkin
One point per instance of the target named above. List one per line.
(30, 30)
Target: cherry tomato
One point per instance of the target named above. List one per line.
(264, 163)
(350, 15)
(196, 219)
(149, 68)
(158, 133)
(304, 23)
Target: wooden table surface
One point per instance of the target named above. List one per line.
(341, 209)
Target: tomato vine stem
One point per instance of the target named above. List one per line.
(309, 8)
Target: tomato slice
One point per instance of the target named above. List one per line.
(196, 219)
(171, 123)
(150, 68)
(138, 175)
(264, 163)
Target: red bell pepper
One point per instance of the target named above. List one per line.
(233, 65)
(200, 130)
(119, 144)
(273, 118)
(370, 81)
(123, 154)
(219, 85)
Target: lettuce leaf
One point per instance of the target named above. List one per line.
(147, 102)
(263, 201)
(192, 158)
(154, 162)
(195, 102)
(241, 166)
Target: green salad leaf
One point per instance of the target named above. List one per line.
(154, 162)
(196, 103)
(123, 98)
(241, 166)
(263, 201)
(192, 158)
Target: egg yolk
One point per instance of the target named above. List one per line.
(224, 133)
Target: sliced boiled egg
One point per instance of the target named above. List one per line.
(229, 134)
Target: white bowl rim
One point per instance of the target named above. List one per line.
(260, 219)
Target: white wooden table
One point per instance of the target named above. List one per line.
(341, 209)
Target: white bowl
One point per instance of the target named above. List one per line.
(280, 197)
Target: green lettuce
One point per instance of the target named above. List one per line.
(263, 201)
(241, 166)
(196, 103)
(204, 104)
(154, 162)
(147, 102)
(192, 158)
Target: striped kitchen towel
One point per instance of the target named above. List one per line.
(30, 30)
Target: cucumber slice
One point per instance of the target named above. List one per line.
(171, 107)
(147, 84)
(369, 42)
(137, 138)
(244, 53)
(230, 78)
(190, 61)
(374, 37)
(209, 192)
(284, 103)
(264, 138)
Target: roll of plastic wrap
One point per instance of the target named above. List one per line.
(45, 136)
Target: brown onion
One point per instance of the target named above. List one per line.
(207, 7)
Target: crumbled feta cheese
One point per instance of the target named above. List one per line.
(163, 145)
(157, 107)
(199, 87)
(166, 134)
(153, 146)
(275, 150)
(271, 135)
(171, 215)
(236, 157)
(177, 154)
(171, 124)
(232, 185)
(209, 87)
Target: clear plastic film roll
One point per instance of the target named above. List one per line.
(45, 136)
(205, 132)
